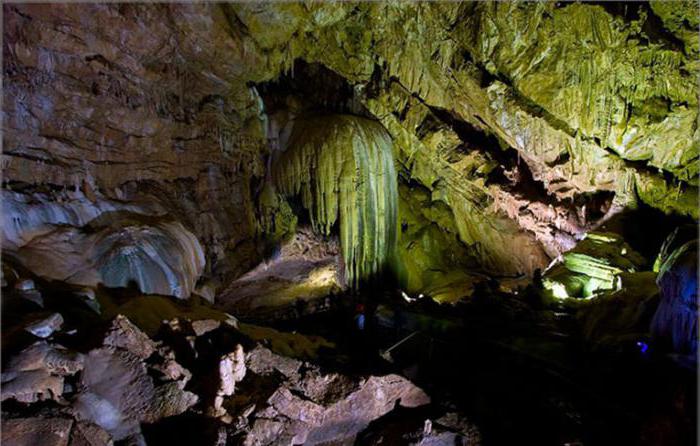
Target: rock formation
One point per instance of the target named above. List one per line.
(176, 112)
(252, 222)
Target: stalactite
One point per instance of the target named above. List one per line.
(343, 168)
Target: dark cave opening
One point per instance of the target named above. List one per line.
(317, 88)
(646, 228)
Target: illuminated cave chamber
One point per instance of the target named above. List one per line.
(350, 223)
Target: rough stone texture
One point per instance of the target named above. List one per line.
(310, 407)
(306, 267)
(412, 429)
(31, 386)
(131, 382)
(115, 391)
(37, 373)
(88, 434)
(576, 132)
(204, 326)
(125, 335)
(135, 103)
(262, 361)
(35, 431)
(86, 243)
(54, 359)
(117, 394)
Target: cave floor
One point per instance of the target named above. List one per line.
(521, 373)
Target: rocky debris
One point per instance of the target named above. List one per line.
(593, 266)
(36, 431)
(259, 398)
(26, 289)
(54, 358)
(46, 327)
(170, 369)
(116, 391)
(615, 320)
(37, 373)
(169, 400)
(310, 407)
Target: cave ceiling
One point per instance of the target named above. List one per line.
(515, 127)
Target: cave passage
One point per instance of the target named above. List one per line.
(350, 223)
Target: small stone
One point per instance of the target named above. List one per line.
(204, 326)
(46, 327)
(25, 285)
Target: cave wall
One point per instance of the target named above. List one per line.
(513, 116)
(133, 104)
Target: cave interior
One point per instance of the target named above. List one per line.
(369, 223)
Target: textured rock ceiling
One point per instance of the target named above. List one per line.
(517, 127)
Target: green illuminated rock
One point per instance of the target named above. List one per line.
(594, 265)
(343, 168)
(590, 101)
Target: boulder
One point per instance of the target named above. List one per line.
(311, 407)
(126, 335)
(37, 373)
(262, 361)
(115, 391)
(31, 386)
